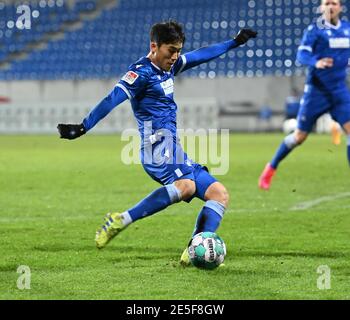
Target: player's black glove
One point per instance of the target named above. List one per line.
(71, 131)
(244, 35)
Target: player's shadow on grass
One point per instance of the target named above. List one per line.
(135, 251)
(295, 254)
(138, 253)
(62, 248)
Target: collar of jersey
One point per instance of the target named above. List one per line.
(332, 26)
(154, 65)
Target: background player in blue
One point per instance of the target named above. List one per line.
(325, 49)
(148, 84)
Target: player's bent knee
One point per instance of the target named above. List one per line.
(300, 137)
(218, 192)
(225, 198)
(187, 188)
(295, 139)
(301, 140)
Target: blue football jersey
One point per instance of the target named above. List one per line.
(151, 93)
(326, 42)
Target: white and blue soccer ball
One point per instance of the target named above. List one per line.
(207, 250)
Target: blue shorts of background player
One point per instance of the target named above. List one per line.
(315, 103)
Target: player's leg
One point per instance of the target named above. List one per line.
(288, 144)
(176, 178)
(162, 198)
(209, 218)
(158, 200)
(204, 186)
(154, 202)
(313, 105)
(216, 200)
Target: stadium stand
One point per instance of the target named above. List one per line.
(105, 46)
(76, 50)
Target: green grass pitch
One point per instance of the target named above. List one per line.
(54, 194)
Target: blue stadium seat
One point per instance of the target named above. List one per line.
(105, 46)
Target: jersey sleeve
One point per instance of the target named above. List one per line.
(202, 55)
(179, 65)
(306, 55)
(116, 97)
(134, 81)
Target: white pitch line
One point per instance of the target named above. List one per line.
(309, 204)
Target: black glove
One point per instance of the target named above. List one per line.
(244, 35)
(71, 131)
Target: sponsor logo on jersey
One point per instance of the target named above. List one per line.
(168, 86)
(130, 77)
(339, 43)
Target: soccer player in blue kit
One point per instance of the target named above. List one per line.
(325, 49)
(148, 84)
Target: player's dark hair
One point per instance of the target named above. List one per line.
(167, 32)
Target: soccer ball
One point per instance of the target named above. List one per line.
(289, 125)
(207, 250)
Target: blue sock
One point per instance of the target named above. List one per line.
(210, 217)
(156, 201)
(288, 144)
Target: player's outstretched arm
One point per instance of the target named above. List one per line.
(73, 131)
(194, 58)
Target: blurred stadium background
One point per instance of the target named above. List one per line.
(61, 60)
